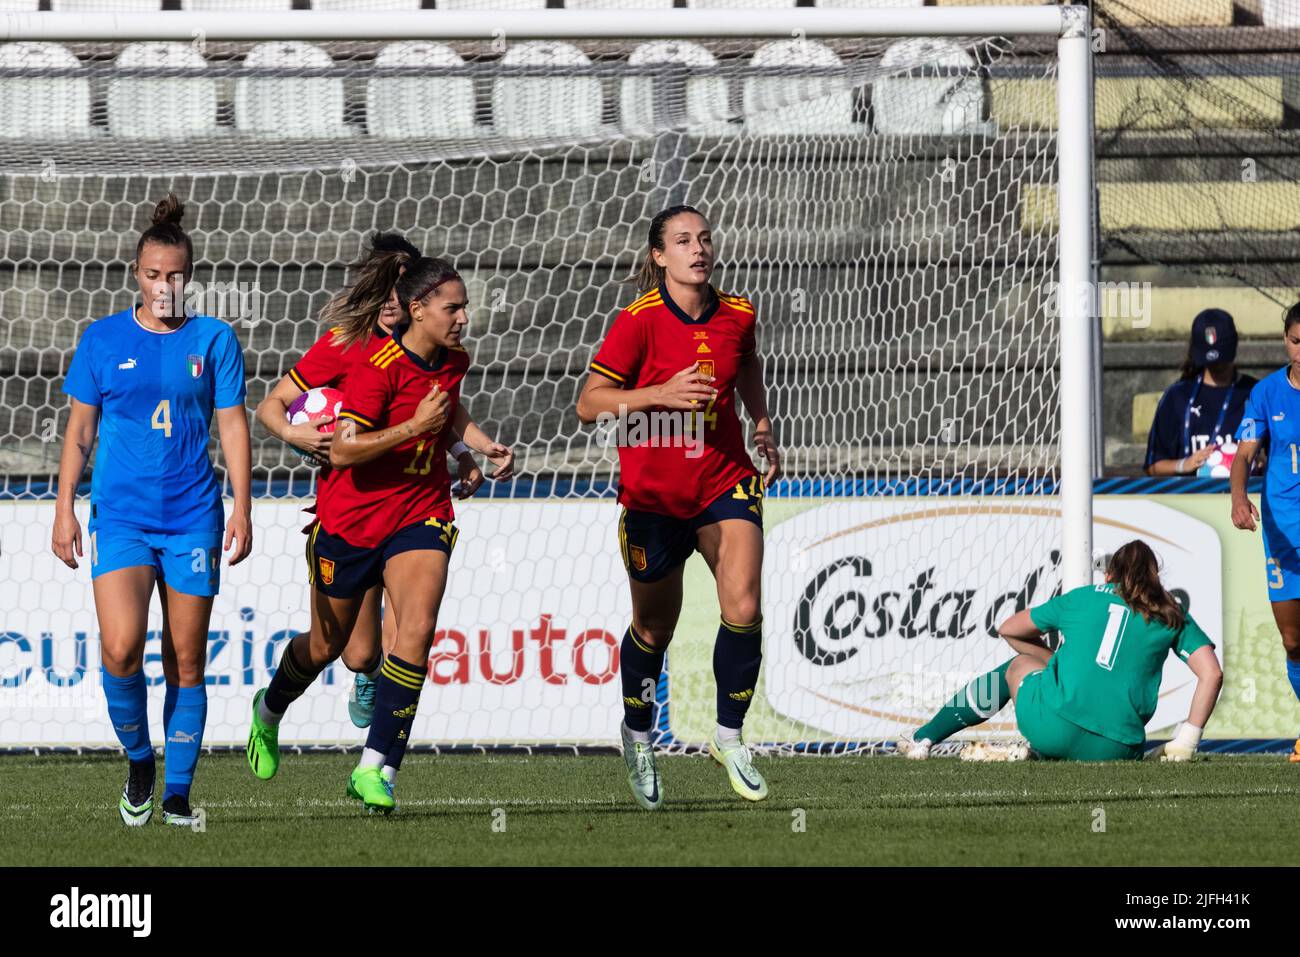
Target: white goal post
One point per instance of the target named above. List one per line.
(1031, 386)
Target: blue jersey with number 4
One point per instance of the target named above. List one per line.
(156, 392)
(1272, 418)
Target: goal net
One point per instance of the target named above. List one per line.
(888, 204)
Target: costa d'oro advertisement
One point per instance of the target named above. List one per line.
(877, 610)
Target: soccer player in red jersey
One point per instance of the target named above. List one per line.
(386, 514)
(366, 307)
(669, 373)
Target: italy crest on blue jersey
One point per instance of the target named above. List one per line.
(156, 392)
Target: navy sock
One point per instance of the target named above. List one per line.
(737, 655)
(290, 680)
(128, 711)
(398, 750)
(639, 666)
(397, 697)
(184, 730)
(1293, 675)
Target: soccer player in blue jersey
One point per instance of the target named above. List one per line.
(146, 381)
(1272, 423)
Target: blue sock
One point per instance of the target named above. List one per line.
(169, 703)
(184, 739)
(128, 710)
(1293, 675)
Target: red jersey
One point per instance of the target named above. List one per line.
(409, 483)
(326, 364)
(651, 341)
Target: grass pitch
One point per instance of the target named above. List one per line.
(554, 809)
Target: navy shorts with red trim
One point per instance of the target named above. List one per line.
(652, 545)
(343, 570)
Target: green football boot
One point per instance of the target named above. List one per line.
(734, 757)
(263, 744)
(642, 776)
(368, 786)
(136, 803)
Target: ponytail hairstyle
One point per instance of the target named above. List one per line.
(421, 278)
(356, 307)
(165, 230)
(651, 273)
(1136, 574)
(1190, 370)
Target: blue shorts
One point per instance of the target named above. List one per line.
(652, 545)
(190, 562)
(1281, 571)
(342, 570)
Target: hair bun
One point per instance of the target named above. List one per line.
(169, 210)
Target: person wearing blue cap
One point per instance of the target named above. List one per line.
(1197, 418)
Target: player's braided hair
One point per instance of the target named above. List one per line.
(165, 229)
(651, 273)
(356, 307)
(421, 278)
(1136, 574)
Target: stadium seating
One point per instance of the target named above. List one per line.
(105, 6)
(1149, 103)
(546, 105)
(223, 6)
(1169, 311)
(491, 4)
(862, 4)
(740, 4)
(1166, 13)
(49, 108)
(289, 107)
(825, 103)
(703, 101)
(1194, 204)
(927, 105)
(617, 4)
(1179, 207)
(420, 106)
(1280, 13)
(367, 6)
(148, 108)
(1144, 413)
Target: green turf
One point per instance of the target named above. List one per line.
(61, 810)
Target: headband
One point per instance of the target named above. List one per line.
(435, 285)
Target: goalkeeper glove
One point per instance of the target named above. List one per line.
(1182, 747)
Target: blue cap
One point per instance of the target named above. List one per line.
(1214, 337)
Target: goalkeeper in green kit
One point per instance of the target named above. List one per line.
(1092, 698)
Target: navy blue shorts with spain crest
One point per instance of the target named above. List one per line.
(342, 570)
(652, 545)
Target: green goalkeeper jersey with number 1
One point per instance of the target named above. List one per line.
(1105, 677)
